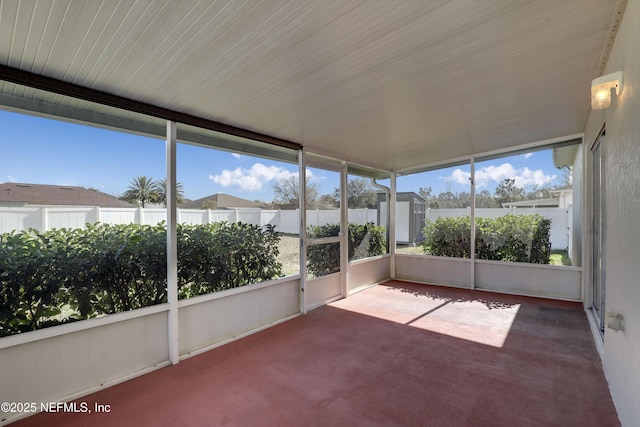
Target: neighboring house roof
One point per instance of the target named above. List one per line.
(222, 201)
(40, 194)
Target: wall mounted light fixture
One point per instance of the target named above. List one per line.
(601, 89)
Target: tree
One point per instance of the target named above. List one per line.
(425, 193)
(327, 201)
(141, 190)
(567, 175)
(484, 199)
(360, 194)
(539, 193)
(507, 191)
(287, 194)
(160, 188)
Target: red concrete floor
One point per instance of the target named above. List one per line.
(396, 354)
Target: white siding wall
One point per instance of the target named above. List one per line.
(622, 187)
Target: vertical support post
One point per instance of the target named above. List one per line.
(98, 214)
(472, 220)
(344, 230)
(140, 214)
(172, 246)
(45, 218)
(302, 209)
(392, 225)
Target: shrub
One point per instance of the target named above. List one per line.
(219, 256)
(448, 237)
(516, 238)
(106, 269)
(365, 240)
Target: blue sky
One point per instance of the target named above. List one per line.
(43, 151)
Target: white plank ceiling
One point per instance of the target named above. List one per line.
(390, 84)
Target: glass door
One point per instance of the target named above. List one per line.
(598, 285)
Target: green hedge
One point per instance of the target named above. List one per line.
(65, 275)
(516, 238)
(365, 240)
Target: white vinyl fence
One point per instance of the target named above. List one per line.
(44, 218)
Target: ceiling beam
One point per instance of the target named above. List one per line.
(60, 87)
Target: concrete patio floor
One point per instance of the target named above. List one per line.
(396, 354)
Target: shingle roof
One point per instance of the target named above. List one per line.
(222, 201)
(40, 194)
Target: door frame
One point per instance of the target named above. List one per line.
(597, 225)
(326, 163)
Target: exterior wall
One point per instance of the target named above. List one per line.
(622, 192)
(434, 270)
(210, 320)
(68, 361)
(83, 357)
(366, 272)
(322, 290)
(546, 281)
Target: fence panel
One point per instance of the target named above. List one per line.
(286, 221)
(248, 216)
(271, 217)
(153, 216)
(70, 217)
(363, 216)
(193, 216)
(20, 219)
(116, 216)
(221, 215)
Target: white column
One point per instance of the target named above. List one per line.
(344, 228)
(172, 249)
(302, 209)
(392, 226)
(472, 219)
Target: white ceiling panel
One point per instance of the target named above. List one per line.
(390, 84)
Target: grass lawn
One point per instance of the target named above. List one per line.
(559, 257)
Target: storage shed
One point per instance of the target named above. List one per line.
(410, 216)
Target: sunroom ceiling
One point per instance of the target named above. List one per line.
(386, 84)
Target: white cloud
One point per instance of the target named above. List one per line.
(527, 155)
(487, 175)
(237, 156)
(11, 179)
(252, 179)
(458, 176)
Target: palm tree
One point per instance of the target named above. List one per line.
(160, 188)
(141, 190)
